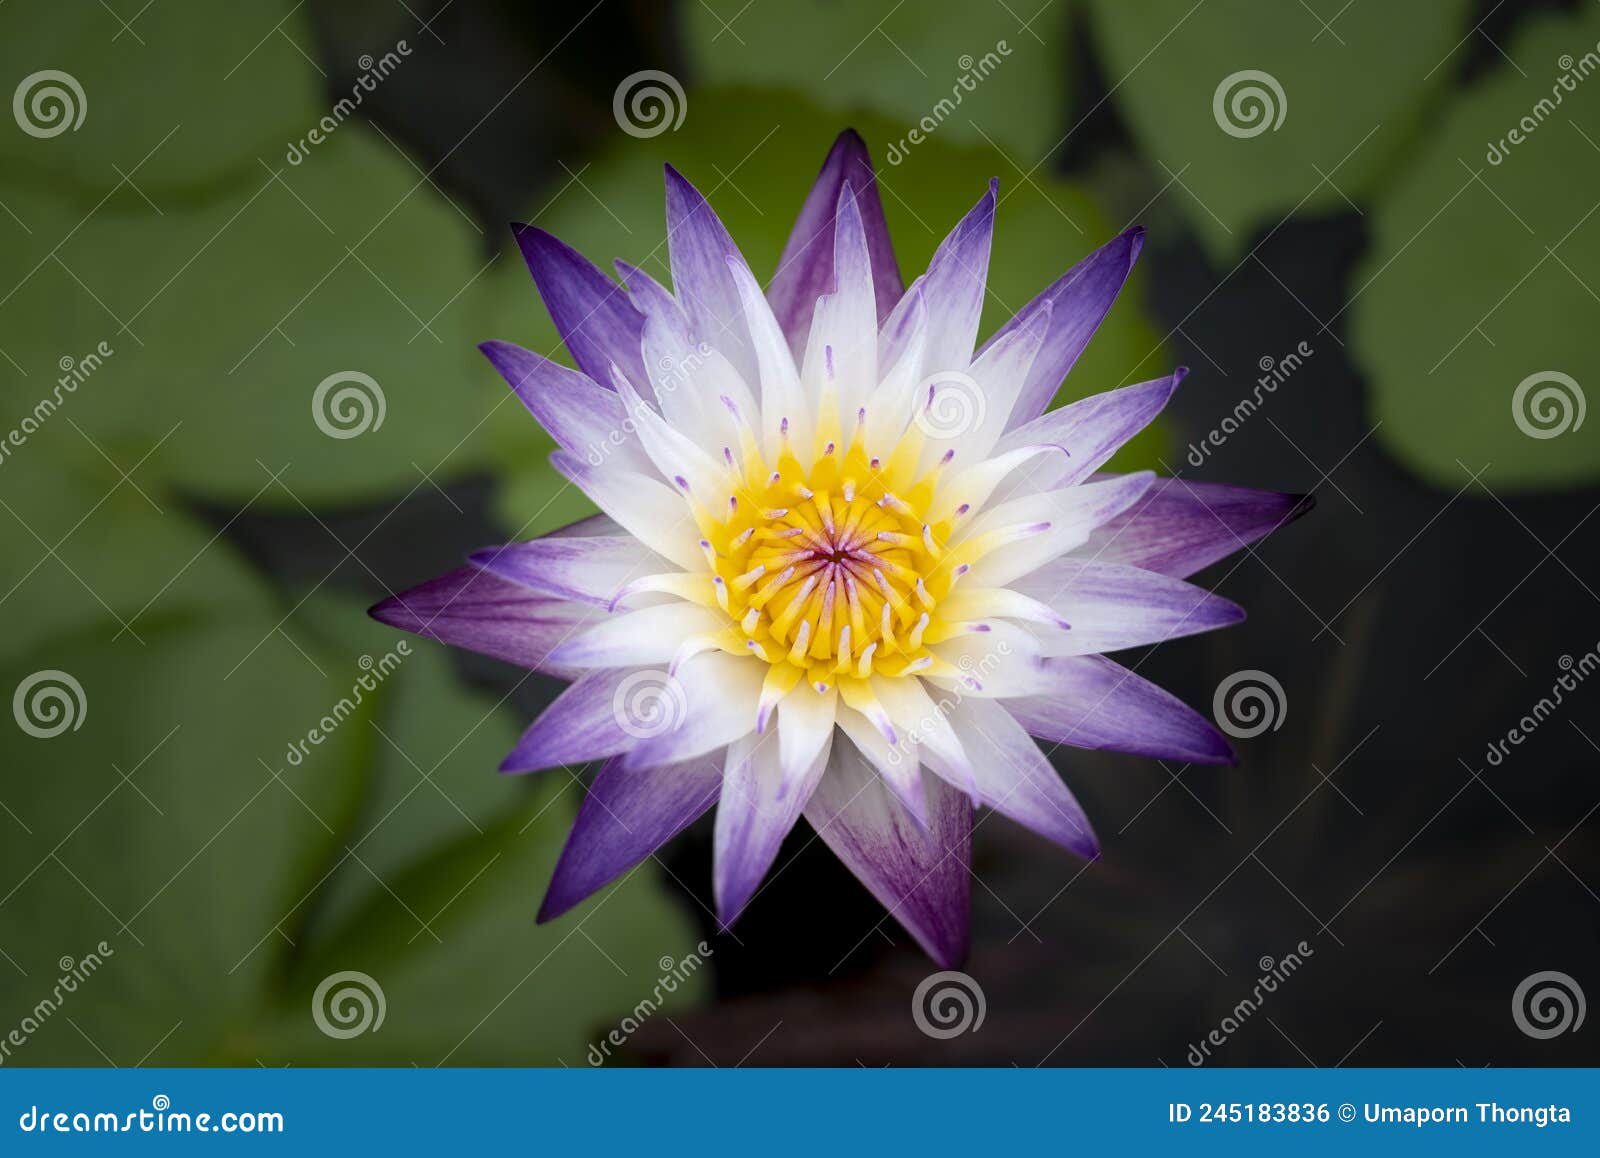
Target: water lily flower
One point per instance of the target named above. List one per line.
(848, 565)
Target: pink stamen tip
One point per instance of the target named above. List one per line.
(727, 453)
(948, 455)
(963, 508)
(828, 449)
(681, 481)
(875, 462)
(783, 427)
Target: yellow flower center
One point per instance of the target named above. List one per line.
(828, 570)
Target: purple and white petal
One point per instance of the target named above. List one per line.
(719, 693)
(480, 611)
(921, 875)
(1111, 606)
(583, 723)
(584, 570)
(591, 312)
(1082, 297)
(626, 815)
(1013, 777)
(1042, 527)
(1091, 430)
(760, 802)
(1179, 527)
(806, 269)
(1089, 701)
(701, 249)
(650, 511)
(952, 290)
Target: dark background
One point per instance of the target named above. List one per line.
(1412, 618)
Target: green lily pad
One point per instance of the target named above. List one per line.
(1247, 106)
(963, 73)
(242, 863)
(755, 154)
(176, 96)
(309, 324)
(1474, 309)
(87, 545)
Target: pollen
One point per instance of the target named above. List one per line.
(831, 569)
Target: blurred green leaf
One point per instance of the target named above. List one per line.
(1350, 87)
(89, 545)
(216, 326)
(229, 878)
(1482, 276)
(755, 154)
(174, 96)
(969, 74)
